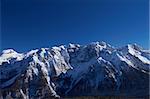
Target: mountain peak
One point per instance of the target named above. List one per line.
(8, 51)
(135, 47)
(10, 54)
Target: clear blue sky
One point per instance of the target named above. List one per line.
(28, 24)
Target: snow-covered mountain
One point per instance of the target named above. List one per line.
(75, 70)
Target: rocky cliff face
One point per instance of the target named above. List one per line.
(75, 70)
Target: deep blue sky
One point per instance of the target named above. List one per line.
(28, 24)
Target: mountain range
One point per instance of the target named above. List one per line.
(95, 69)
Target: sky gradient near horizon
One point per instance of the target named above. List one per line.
(29, 24)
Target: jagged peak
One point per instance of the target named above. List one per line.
(31, 52)
(103, 43)
(71, 45)
(130, 48)
(135, 47)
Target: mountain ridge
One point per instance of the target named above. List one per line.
(75, 70)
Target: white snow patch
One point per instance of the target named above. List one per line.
(9, 54)
(138, 55)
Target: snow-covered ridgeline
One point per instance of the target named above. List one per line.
(73, 62)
